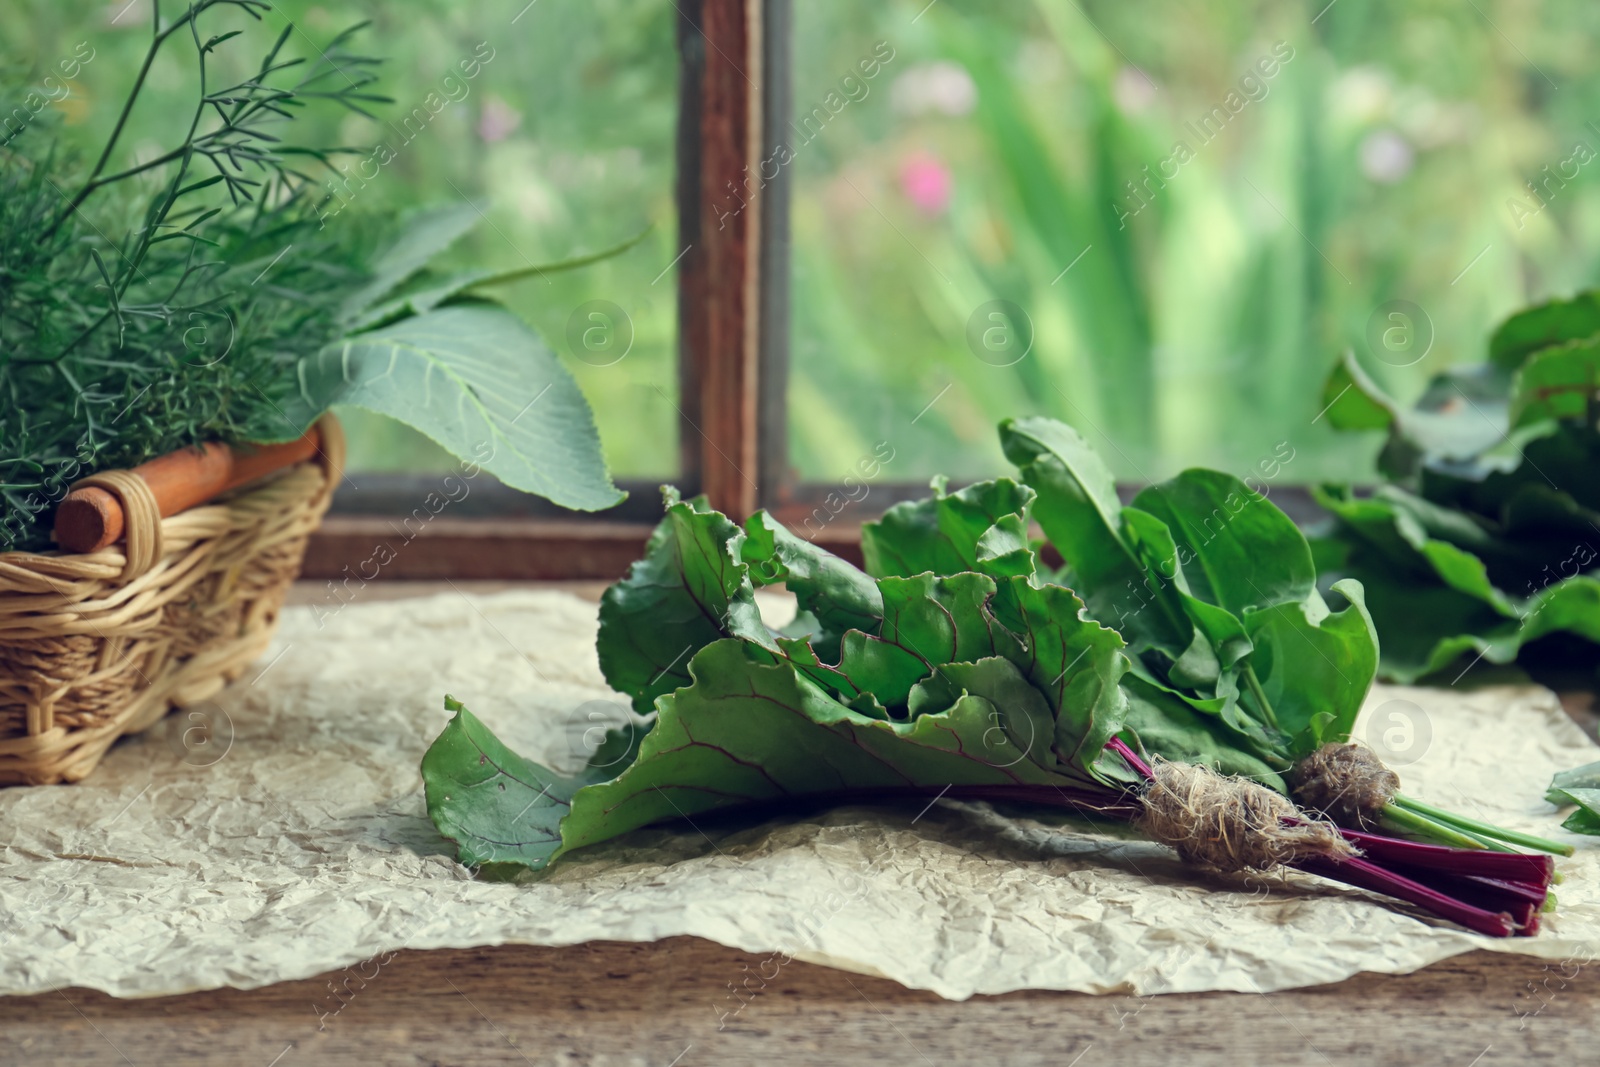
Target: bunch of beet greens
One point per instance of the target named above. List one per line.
(1481, 541)
(1181, 672)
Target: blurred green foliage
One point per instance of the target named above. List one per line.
(1381, 162)
(564, 138)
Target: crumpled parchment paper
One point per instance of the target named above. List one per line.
(280, 834)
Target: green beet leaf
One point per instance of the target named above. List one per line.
(1385, 526)
(1078, 508)
(1238, 550)
(834, 596)
(1261, 658)
(1584, 777)
(1560, 456)
(1557, 383)
(983, 527)
(928, 620)
(1462, 414)
(748, 730)
(1351, 400)
(1315, 665)
(1579, 786)
(692, 588)
(1219, 641)
(1435, 603)
(1539, 327)
(1166, 723)
(1076, 664)
(1487, 538)
(498, 807)
(1586, 818)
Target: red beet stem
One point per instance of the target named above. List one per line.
(1468, 886)
(1367, 875)
(1521, 902)
(1483, 863)
(1133, 759)
(1450, 883)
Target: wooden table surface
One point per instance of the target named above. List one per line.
(662, 1004)
(658, 1004)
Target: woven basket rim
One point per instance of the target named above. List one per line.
(328, 423)
(90, 651)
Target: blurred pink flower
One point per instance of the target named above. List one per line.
(498, 119)
(927, 182)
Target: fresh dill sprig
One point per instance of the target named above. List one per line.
(121, 342)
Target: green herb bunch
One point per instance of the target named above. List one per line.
(227, 312)
(119, 342)
(1485, 535)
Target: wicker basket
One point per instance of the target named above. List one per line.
(101, 644)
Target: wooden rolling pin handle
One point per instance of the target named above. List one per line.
(91, 518)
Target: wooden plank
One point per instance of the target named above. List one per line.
(312, 592)
(362, 548)
(662, 1003)
(720, 199)
(772, 385)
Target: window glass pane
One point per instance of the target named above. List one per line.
(564, 137)
(1196, 206)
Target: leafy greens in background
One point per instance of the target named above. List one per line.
(1188, 624)
(1486, 533)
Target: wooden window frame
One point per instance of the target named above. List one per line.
(735, 95)
(732, 328)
